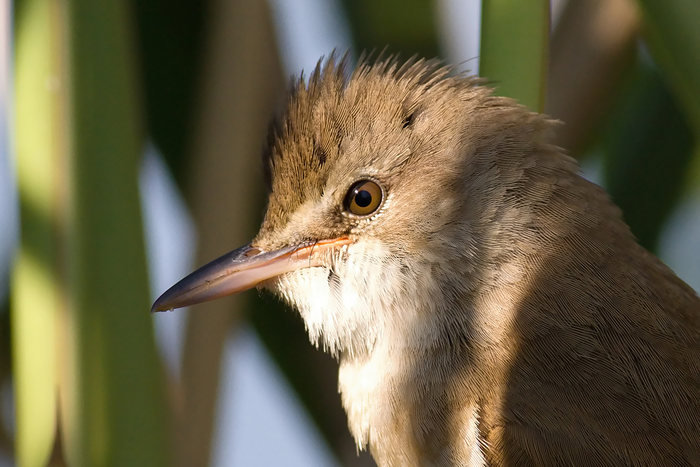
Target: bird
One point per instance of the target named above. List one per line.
(488, 306)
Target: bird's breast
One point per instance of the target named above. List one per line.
(389, 411)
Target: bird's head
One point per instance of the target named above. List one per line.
(389, 192)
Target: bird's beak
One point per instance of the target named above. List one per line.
(241, 270)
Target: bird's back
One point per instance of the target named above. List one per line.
(607, 363)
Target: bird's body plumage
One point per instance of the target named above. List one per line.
(495, 310)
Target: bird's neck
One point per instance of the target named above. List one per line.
(425, 398)
(437, 366)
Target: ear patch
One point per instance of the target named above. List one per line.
(320, 155)
(408, 120)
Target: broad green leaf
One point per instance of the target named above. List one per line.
(35, 289)
(117, 414)
(82, 334)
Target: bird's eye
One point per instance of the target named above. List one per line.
(363, 198)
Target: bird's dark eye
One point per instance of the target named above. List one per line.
(363, 198)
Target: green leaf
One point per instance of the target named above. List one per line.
(672, 29)
(648, 147)
(82, 334)
(35, 291)
(118, 408)
(514, 48)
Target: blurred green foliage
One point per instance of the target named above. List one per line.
(648, 148)
(93, 248)
(404, 27)
(515, 48)
(83, 344)
(672, 33)
(121, 414)
(170, 37)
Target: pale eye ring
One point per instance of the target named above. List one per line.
(364, 198)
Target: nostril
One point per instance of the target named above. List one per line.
(252, 252)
